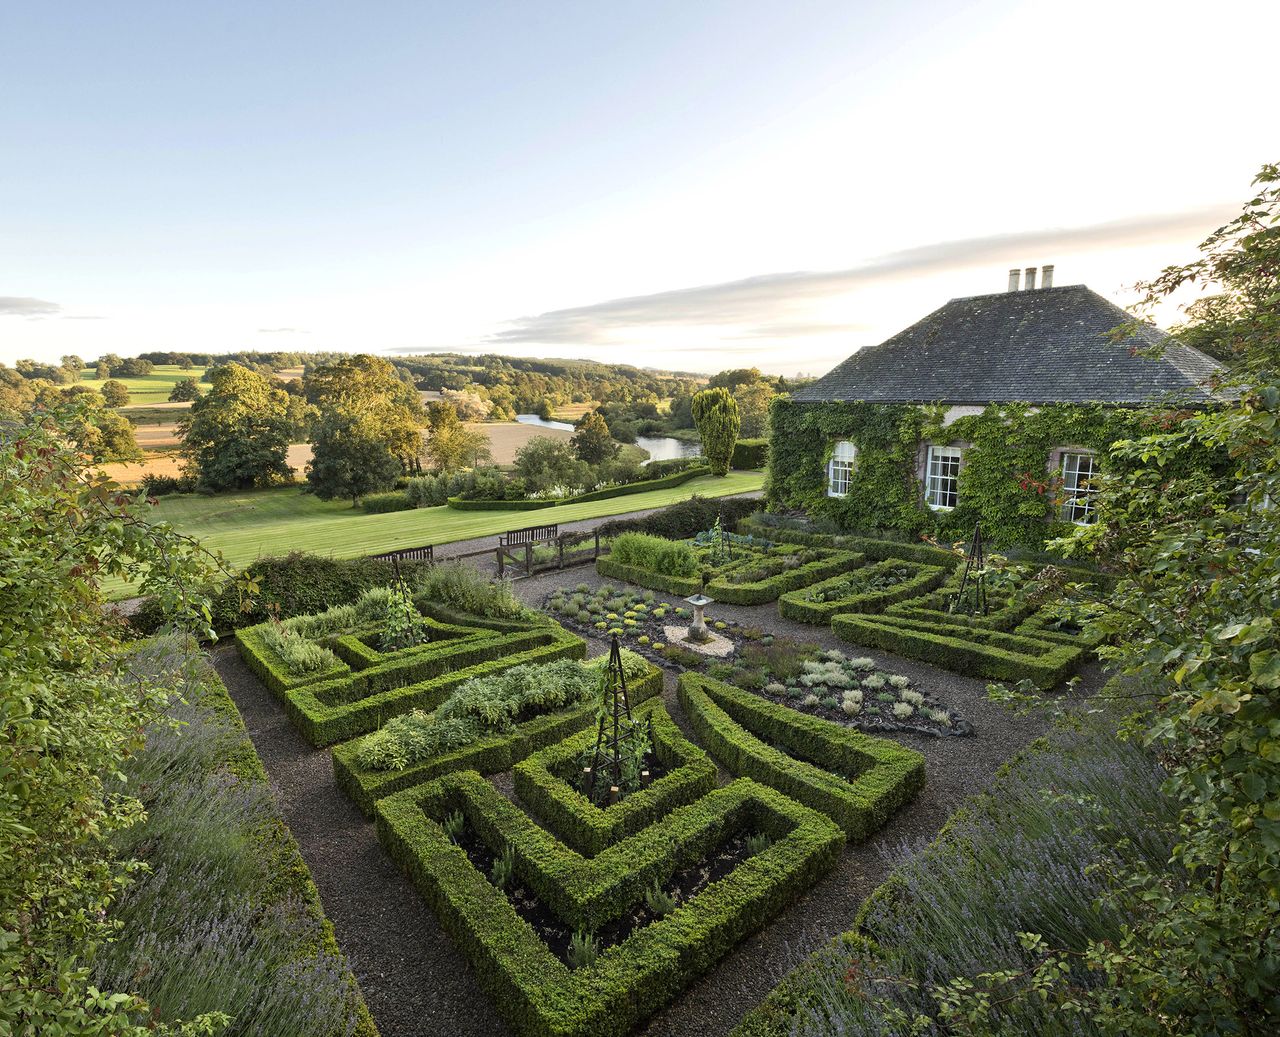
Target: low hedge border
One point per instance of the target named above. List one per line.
(488, 755)
(393, 669)
(537, 994)
(796, 754)
(876, 550)
(341, 709)
(590, 829)
(269, 668)
(353, 651)
(758, 593)
(1007, 613)
(1037, 625)
(664, 483)
(973, 651)
(793, 604)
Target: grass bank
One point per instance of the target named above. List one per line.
(245, 526)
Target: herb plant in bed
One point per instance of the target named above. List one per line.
(486, 724)
(370, 685)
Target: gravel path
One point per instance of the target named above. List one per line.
(416, 983)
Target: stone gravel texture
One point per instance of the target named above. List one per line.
(414, 980)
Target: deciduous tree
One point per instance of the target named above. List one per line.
(366, 432)
(237, 435)
(185, 390)
(115, 394)
(451, 446)
(592, 441)
(67, 718)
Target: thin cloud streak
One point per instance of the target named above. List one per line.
(18, 306)
(765, 300)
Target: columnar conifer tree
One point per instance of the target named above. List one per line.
(715, 412)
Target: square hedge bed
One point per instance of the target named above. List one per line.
(487, 755)
(540, 782)
(828, 564)
(356, 702)
(857, 780)
(533, 989)
(974, 651)
(920, 579)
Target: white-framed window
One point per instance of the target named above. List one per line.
(840, 468)
(942, 477)
(1078, 490)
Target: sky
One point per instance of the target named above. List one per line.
(683, 185)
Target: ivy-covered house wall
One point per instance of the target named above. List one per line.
(1007, 477)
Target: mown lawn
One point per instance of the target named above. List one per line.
(152, 388)
(244, 526)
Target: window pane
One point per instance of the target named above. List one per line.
(1078, 490)
(942, 476)
(840, 470)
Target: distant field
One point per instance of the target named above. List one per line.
(152, 388)
(572, 411)
(248, 525)
(159, 440)
(505, 438)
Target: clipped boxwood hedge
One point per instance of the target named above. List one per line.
(793, 605)
(420, 677)
(487, 755)
(666, 482)
(974, 651)
(830, 564)
(590, 829)
(750, 454)
(797, 754)
(539, 995)
(269, 668)
(875, 549)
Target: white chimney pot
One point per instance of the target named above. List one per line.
(1015, 275)
(1031, 278)
(1046, 276)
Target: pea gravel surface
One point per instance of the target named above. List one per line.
(417, 983)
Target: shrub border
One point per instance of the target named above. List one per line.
(535, 992)
(666, 482)
(288, 869)
(731, 723)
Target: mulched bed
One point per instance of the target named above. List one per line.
(684, 884)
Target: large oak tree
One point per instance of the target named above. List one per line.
(366, 432)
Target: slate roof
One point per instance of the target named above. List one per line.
(1046, 345)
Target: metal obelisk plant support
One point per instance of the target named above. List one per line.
(616, 738)
(971, 598)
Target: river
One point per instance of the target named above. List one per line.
(661, 448)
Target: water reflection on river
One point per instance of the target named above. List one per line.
(661, 448)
